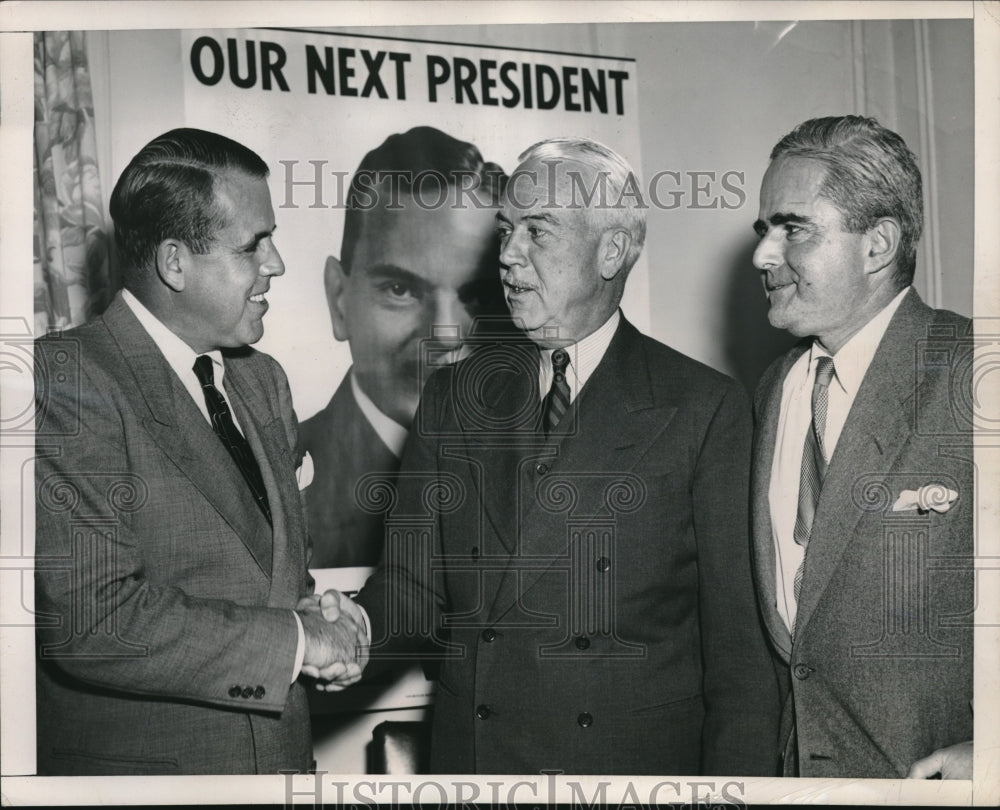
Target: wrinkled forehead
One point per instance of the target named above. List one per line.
(242, 201)
(792, 181)
(553, 184)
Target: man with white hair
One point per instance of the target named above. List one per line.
(570, 524)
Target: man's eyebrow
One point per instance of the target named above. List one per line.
(548, 218)
(257, 237)
(760, 226)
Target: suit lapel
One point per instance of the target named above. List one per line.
(764, 440)
(175, 423)
(510, 406)
(612, 423)
(876, 430)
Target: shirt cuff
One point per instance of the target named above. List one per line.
(300, 650)
(368, 623)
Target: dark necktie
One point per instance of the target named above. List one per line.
(813, 463)
(557, 400)
(225, 428)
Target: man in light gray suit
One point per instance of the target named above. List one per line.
(862, 467)
(170, 538)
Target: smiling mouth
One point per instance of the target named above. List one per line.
(772, 287)
(258, 298)
(516, 289)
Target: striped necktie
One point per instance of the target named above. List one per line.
(557, 400)
(814, 463)
(225, 428)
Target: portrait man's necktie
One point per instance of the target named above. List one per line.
(225, 428)
(814, 463)
(557, 400)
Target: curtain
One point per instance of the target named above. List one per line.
(72, 275)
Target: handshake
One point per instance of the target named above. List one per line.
(336, 649)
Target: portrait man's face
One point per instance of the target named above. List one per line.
(417, 270)
(223, 296)
(813, 271)
(549, 249)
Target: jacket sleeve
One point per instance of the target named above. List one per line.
(103, 617)
(741, 696)
(403, 600)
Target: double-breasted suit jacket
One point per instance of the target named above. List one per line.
(879, 672)
(591, 590)
(163, 596)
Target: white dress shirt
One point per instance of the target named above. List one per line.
(180, 357)
(850, 366)
(584, 357)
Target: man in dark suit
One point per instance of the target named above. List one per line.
(170, 555)
(418, 259)
(863, 469)
(570, 522)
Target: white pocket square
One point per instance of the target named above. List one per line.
(304, 472)
(930, 496)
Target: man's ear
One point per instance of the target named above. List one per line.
(882, 247)
(614, 249)
(335, 281)
(173, 258)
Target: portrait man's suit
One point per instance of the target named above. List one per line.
(344, 447)
(157, 571)
(594, 587)
(879, 673)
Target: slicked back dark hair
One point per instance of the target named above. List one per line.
(423, 161)
(168, 191)
(870, 174)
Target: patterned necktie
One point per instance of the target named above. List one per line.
(814, 464)
(557, 400)
(225, 428)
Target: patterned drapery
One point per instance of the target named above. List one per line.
(72, 275)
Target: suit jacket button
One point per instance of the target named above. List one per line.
(475, 551)
(801, 671)
(489, 634)
(259, 692)
(235, 691)
(483, 711)
(247, 691)
(541, 468)
(603, 565)
(582, 643)
(585, 720)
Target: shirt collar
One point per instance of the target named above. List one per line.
(584, 356)
(179, 356)
(392, 434)
(852, 361)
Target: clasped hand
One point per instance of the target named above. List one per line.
(336, 649)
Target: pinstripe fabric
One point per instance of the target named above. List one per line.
(557, 400)
(814, 463)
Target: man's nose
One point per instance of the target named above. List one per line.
(448, 316)
(769, 252)
(511, 252)
(272, 264)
